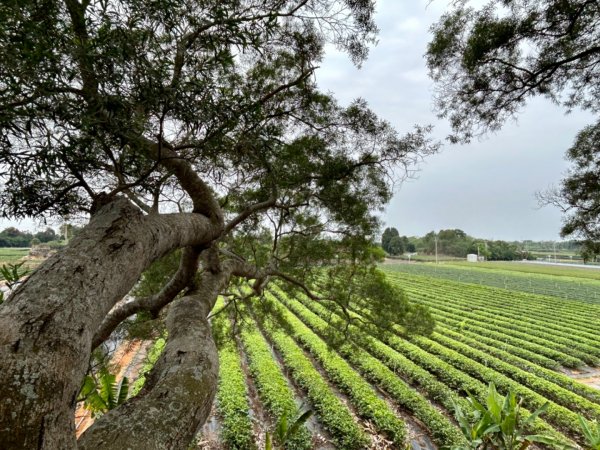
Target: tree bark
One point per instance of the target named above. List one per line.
(47, 325)
(177, 397)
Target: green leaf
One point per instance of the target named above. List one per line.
(536, 413)
(298, 423)
(123, 391)
(494, 407)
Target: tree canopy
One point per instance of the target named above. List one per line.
(488, 62)
(579, 193)
(193, 125)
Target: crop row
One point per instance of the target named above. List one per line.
(507, 302)
(542, 372)
(332, 413)
(232, 395)
(544, 387)
(498, 344)
(462, 378)
(500, 328)
(515, 314)
(509, 328)
(576, 314)
(460, 381)
(558, 415)
(362, 395)
(466, 300)
(272, 386)
(441, 428)
(497, 333)
(587, 291)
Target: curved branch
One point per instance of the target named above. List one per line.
(179, 391)
(248, 212)
(309, 293)
(188, 266)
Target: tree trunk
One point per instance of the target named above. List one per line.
(177, 397)
(47, 325)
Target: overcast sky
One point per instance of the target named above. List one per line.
(486, 188)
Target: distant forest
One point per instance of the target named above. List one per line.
(459, 244)
(13, 237)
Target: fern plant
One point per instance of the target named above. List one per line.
(104, 393)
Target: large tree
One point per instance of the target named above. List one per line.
(386, 238)
(193, 125)
(579, 193)
(488, 62)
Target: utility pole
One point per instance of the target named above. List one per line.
(436, 255)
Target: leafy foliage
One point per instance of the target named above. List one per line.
(498, 424)
(102, 393)
(488, 62)
(591, 432)
(285, 430)
(579, 193)
(12, 273)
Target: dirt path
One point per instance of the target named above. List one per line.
(587, 375)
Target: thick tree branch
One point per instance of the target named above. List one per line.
(60, 315)
(188, 266)
(178, 394)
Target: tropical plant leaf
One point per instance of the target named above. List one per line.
(298, 423)
(123, 391)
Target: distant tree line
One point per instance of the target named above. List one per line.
(394, 244)
(455, 242)
(13, 237)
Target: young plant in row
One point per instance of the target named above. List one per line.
(591, 433)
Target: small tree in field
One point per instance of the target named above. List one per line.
(175, 125)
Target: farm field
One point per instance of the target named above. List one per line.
(537, 280)
(12, 255)
(390, 390)
(592, 273)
